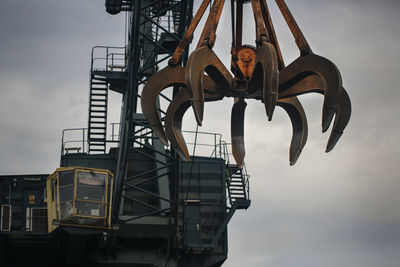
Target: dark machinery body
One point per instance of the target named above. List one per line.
(193, 234)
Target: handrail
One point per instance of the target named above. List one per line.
(217, 142)
(246, 181)
(110, 55)
(112, 131)
(84, 130)
(219, 146)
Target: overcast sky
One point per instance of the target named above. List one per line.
(329, 210)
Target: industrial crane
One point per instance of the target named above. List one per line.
(137, 196)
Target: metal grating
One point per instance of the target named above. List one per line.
(38, 220)
(5, 217)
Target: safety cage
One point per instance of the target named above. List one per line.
(78, 196)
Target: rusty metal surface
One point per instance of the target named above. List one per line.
(208, 34)
(176, 57)
(246, 57)
(259, 72)
(271, 33)
(261, 32)
(298, 35)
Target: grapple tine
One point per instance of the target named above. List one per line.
(200, 60)
(314, 83)
(173, 122)
(310, 83)
(342, 118)
(169, 76)
(237, 131)
(330, 75)
(299, 125)
(265, 76)
(176, 111)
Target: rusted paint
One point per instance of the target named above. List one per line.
(246, 57)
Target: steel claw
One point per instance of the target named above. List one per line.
(342, 118)
(173, 122)
(326, 70)
(299, 125)
(176, 111)
(265, 75)
(314, 83)
(200, 60)
(237, 131)
(168, 76)
(309, 83)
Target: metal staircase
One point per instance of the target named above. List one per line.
(97, 125)
(238, 193)
(237, 185)
(107, 72)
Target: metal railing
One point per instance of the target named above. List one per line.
(75, 143)
(246, 181)
(228, 157)
(74, 140)
(108, 58)
(115, 136)
(207, 144)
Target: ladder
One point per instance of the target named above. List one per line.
(97, 125)
(237, 187)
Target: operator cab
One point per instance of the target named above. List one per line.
(79, 197)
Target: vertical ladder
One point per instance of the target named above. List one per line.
(97, 125)
(176, 14)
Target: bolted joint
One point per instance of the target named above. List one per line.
(173, 62)
(304, 51)
(176, 57)
(261, 39)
